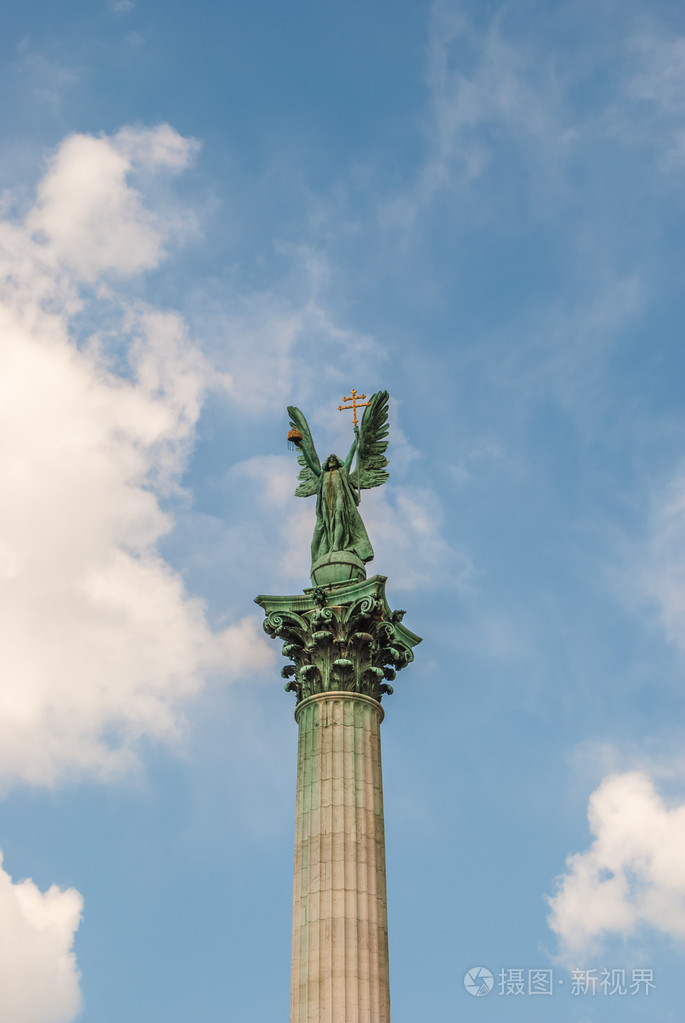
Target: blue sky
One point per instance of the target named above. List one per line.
(210, 213)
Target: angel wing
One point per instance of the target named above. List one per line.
(370, 469)
(309, 480)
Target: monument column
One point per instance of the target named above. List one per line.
(340, 920)
(345, 646)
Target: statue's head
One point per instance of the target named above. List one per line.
(332, 462)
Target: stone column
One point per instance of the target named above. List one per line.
(345, 647)
(340, 925)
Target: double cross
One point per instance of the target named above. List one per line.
(355, 405)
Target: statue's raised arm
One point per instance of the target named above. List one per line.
(372, 444)
(340, 545)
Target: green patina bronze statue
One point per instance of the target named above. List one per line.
(340, 635)
(340, 545)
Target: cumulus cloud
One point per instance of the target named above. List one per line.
(88, 219)
(155, 148)
(633, 874)
(39, 978)
(102, 643)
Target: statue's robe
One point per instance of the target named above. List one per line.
(339, 525)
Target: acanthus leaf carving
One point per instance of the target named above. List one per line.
(343, 640)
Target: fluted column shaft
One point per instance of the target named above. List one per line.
(340, 926)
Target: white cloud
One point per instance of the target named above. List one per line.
(480, 81)
(407, 530)
(274, 544)
(39, 978)
(633, 874)
(88, 219)
(505, 101)
(155, 148)
(282, 350)
(101, 641)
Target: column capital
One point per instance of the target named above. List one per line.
(343, 638)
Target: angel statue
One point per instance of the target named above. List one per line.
(340, 536)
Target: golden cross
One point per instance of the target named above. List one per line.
(355, 404)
